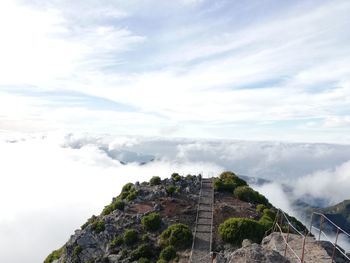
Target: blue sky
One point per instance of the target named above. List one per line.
(255, 70)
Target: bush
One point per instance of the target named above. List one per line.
(227, 182)
(143, 260)
(162, 261)
(155, 180)
(118, 241)
(56, 254)
(127, 187)
(176, 177)
(151, 221)
(170, 190)
(124, 253)
(142, 251)
(260, 208)
(146, 237)
(178, 189)
(247, 194)
(131, 196)
(235, 230)
(177, 235)
(168, 253)
(77, 250)
(89, 221)
(130, 236)
(116, 204)
(98, 226)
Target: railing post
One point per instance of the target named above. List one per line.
(303, 250)
(312, 217)
(321, 223)
(285, 248)
(335, 244)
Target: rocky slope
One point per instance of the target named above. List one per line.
(154, 221)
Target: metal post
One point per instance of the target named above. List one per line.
(335, 244)
(285, 248)
(312, 216)
(303, 250)
(321, 223)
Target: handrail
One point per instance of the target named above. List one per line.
(279, 226)
(195, 226)
(212, 220)
(320, 231)
(331, 222)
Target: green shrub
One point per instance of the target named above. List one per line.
(176, 177)
(131, 196)
(89, 221)
(118, 241)
(151, 221)
(127, 187)
(130, 236)
(162, 261)
(247, 194)
(260, 208)
(178, 189)
(177, 235)
(56, 254)
(116, 204)
(98, 226)
(170, 190)
(189, 177)
(142, 251)
(146, 237)
(227, 182)
(124, 253)
(155, 180)
(77, 250)
(235, 230)
(143, 260)
(168, 253)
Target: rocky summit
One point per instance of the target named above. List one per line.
(180, 219)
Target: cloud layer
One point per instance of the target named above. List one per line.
(51, 185)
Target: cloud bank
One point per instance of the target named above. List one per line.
(51, 185)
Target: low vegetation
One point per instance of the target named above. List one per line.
(116, 204)
(56, 254)
(227, 182)
(247, 194)
(130, 236)
(168, 253)
(235, 230)
(177, 235)
(151, 222)
(155, 180)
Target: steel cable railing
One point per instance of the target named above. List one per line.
(321, 232)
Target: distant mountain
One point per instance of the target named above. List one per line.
(339, 214)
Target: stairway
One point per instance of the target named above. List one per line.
(202, 239)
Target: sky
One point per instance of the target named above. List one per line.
(254, 70)
(258, 87)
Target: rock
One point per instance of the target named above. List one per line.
(114, 258)
(157, 207)
(246, 242)
(255, 253)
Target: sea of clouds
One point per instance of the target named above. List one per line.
(50, 184)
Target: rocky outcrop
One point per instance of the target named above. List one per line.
(251, 253)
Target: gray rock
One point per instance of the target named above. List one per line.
(255, 253)
(246, 242)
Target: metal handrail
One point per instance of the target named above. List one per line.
(279, 226)
(195, 226)
(339, 229)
